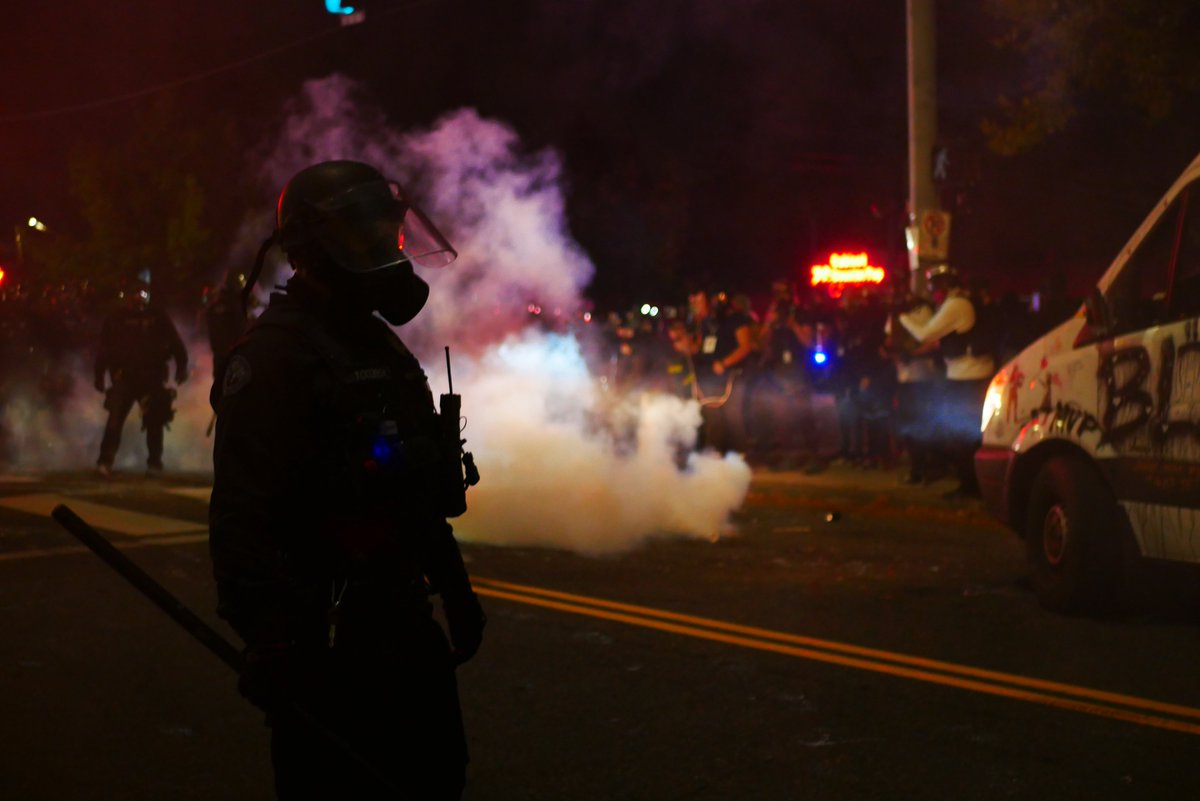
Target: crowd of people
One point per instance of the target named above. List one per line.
(903, 376)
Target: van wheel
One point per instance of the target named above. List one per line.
(1072, 537)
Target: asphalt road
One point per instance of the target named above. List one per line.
(846, 638)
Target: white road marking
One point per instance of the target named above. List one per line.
(107, 518)
(72, 550)
(199, 493)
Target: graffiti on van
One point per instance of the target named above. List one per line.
(1123, 374)
(1070, 419)
(1177, 381)
(1131, 408)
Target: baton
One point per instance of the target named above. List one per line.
(209, 637)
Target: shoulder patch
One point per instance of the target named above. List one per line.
(237, 374)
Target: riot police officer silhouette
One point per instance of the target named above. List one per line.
(226, 313)
(333, 478)
(136, 343)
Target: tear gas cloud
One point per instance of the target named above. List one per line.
(564, 463)
(563, 467)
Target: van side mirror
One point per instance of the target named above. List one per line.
(1100, 323)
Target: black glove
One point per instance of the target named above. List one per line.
(181, 375)
(99, 383)
(266, 677)
(466, 619)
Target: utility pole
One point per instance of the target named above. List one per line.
(928, 227)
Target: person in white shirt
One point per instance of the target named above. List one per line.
(917, 374)
(969, 367)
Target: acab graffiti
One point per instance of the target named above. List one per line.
(1129, 405)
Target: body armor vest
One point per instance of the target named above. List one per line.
(382, 464)
(955, 345)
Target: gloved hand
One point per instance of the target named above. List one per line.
(99, 384)
(266, 675)
(466, 620)
(181, 375)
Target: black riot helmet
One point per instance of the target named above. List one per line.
(943, 276)
(361, 233)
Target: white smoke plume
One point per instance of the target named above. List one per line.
(560, 469)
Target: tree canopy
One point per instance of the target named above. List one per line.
(147, 203)
(1140, 53)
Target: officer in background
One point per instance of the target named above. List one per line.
(917, 377)
(956, 328)
(333, 479)
(784, 422)
(136, 343)
(225, 315)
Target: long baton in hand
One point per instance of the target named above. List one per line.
(224, 650)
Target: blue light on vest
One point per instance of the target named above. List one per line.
(336, 7)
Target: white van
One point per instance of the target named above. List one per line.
(1091, 436)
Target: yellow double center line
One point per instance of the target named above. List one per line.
(1142, 711)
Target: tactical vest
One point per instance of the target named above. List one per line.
(137, 348)
(955, 345)
(381, 456)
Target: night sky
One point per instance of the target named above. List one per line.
(709, 142)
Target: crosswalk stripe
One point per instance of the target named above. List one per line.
(106, 518)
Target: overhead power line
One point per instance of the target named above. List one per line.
(199, 76)
(159, 87)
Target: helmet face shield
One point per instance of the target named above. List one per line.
(423, 242)
(374, 225)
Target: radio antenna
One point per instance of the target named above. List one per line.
(449, 377)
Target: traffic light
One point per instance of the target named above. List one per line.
(346, 14)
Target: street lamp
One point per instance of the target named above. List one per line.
(33, 223)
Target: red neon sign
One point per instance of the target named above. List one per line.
(846, 269)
